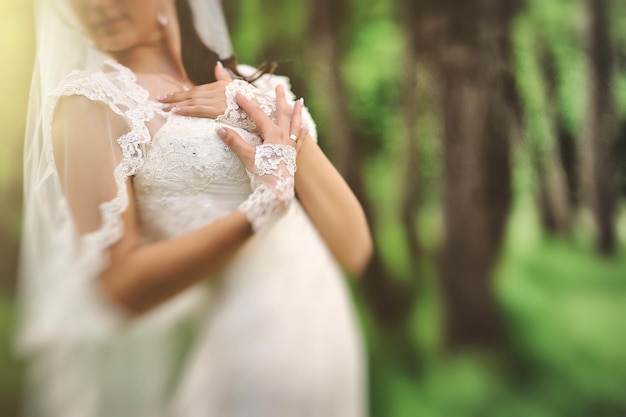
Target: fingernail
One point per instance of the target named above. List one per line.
(219, 64)
(164, 106)
(176, 109)
(302, 100)
(161, 96)
(221, 132)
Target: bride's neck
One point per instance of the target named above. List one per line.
(150, 59)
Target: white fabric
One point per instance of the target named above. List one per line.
(234, 115)
(272, 185)
(75, 367)
(263, 94)
(210, 23)
(74, 339)
(89, 134)
(282, 338)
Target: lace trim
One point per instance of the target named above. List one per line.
(269, 157)
(120, 91)
(235, 116)
(272, 184)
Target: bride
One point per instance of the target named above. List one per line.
(161, 195)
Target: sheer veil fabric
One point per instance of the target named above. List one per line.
(276, 335)
(66, 325)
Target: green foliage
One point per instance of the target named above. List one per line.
(564, 310)
(374, 89)
(565, 307)
(550, 31)
(557, 28)
(618, 26)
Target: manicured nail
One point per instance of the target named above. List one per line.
(161, 96)
(164, 106)
(219, 64)
(221, 132)
(176, 109)
(302, 100)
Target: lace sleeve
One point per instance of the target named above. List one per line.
(78, 167)
(89, 148)
(272, 184)
(263, 94)
(235, 116)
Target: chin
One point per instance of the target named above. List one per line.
(114, 45)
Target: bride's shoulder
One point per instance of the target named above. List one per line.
(112, 83)
(108, 96)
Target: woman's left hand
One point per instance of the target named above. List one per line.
(207, 100)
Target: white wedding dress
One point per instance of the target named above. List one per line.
(278, 336)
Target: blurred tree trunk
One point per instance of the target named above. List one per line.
(566, 142)
(325, 46)
(569, 160)
(470, 44)
(389, 302)
(620, 149)
(10, 221)
(600, 130)
(620, 142)
(554, 204)
(556, 172)
(410, 114)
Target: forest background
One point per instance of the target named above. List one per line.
(487, 142)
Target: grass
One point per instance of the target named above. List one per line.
(564, 307)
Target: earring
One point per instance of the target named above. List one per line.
(162, 19)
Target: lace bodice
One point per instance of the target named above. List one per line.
(183, 177)
(189, 177)
(180, 166)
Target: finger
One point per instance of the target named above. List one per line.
(302, 136)
(176, 96)
(210, 101)
(239, 146)
(176, 106)
(201, 91)
(296, 117)
(283, 110)
(220, 73)
(206, 111)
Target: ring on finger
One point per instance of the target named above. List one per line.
(293, 137)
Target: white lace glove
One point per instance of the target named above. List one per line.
(271, 165)
(272, 184)
(235, 116)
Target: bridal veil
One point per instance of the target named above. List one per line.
(83, 142)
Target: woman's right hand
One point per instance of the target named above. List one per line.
(288, 122)
(272, 164)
